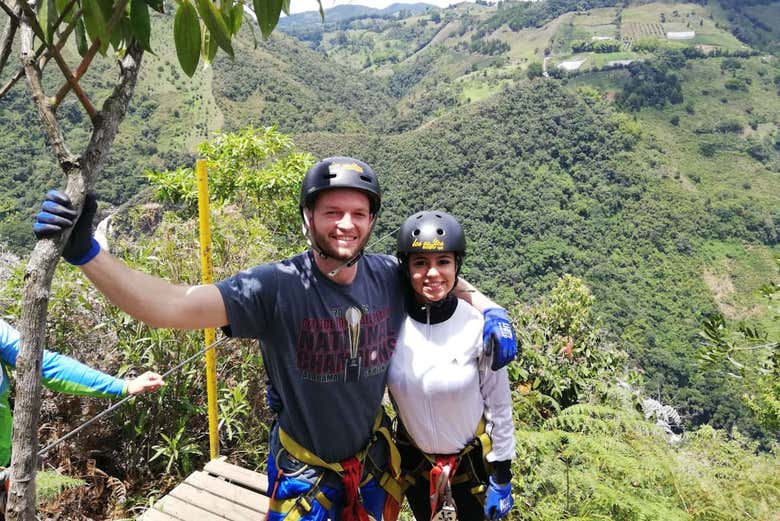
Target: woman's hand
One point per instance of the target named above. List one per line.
(149, 381)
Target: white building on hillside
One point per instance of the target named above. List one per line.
(680, 35)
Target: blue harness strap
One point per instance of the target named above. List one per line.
(303, 492)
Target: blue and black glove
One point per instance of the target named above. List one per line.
(57, 214)
(499, 337)
(499, 500)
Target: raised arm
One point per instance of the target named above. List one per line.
(152, 300)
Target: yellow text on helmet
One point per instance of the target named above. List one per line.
(435, 244)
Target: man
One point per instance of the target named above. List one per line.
(326, 321)
(62, 374)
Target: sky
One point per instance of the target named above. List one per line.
(299, 6)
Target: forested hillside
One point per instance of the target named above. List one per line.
(633, 145)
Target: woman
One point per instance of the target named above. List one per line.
(456, 435)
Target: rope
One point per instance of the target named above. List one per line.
(115, 406)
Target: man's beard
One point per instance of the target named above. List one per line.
(322, 245)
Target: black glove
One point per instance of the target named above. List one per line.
(57, 214)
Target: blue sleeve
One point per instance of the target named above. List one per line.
(249, 297)
(61, 373)
(9, 343)
(66, 375)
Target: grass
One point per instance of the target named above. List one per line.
(596, 17)
(705, 93)
(475, 90)
(735, 272)
(651, 13)
(50, 484)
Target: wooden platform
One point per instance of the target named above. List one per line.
(220, 491)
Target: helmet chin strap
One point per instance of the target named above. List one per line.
(321, 252)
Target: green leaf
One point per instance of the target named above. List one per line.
(121, 30)
(95, 23)
(209, 48)
(226, 10)
(186, 35)
(47, 15)
(267, 12)
(286, 7)
(61, 5)
(140, 23)
(157, 5)
(81, 37)
(216, 24)
(237, 18)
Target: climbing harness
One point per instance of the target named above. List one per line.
(349, 473)
(115, 406)
(471, 462)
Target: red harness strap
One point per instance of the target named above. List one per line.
(440, 477)
(353, 508)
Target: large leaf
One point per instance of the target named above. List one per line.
(157, 5)
(47, 16)
(81, 37)
(237, 18)
(95, 23)
(186, 35)
(61, 6)
(209, 47)
(267, 12)
(216, 25)
(226, 9)
(140, 23)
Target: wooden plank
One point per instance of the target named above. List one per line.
(203, 481)
(184, 511)
(214, 504)
(247, 478)
(156, 515)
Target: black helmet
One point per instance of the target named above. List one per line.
(428, 232)
(340, 172)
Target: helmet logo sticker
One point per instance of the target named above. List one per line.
(435, 244)
(334, 168)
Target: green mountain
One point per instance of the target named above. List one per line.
(633, 144)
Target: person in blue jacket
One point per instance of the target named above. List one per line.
(62, 374)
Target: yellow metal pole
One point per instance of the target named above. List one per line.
(207, 276)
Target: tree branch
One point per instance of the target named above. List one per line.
(38, 275)
(63, 36)
(7, 41)
(112, 113)
(11, 10)
(62, 41)
(44, 258)
(63, 65)
(119, 10)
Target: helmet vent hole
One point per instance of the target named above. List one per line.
(439, 231)
(366, 179)
(329, 176)
(415, 233)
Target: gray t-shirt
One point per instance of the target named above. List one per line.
(298, 316)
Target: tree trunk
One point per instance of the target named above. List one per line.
(39, 272)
